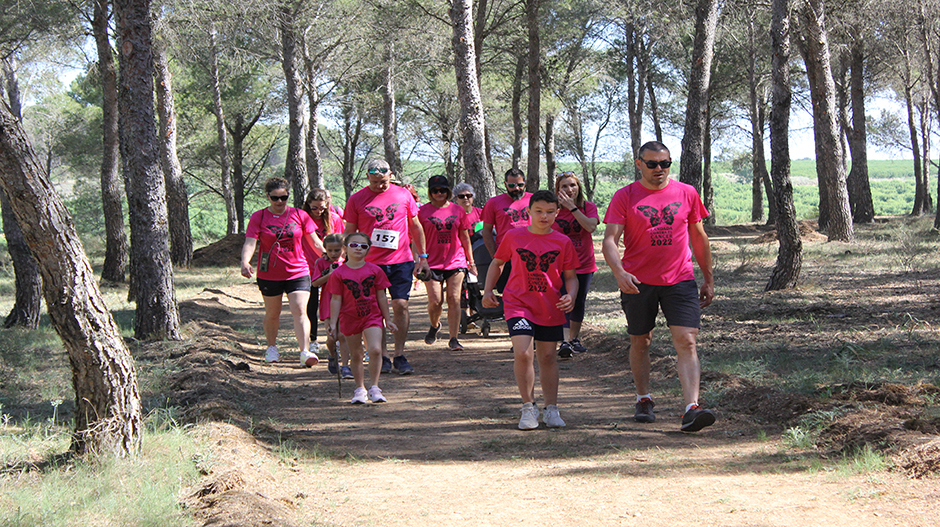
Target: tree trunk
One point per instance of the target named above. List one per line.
(758, 163)
(107, 400)
(314, 159)
(919, 189)
(833, 190)
(516, 106)
(786, 272)
(476, 169)
(295, 166)
(923, 111)
(177, 196)
(25, 312)
(156, 316)
(708, 195)
(352, 131)
(634, 95)
(535, 94)
(703, 47)
(930, 38)
(240, 131)
(479, 33)
(231, 221)
(860, 200)
(549, 146)
(390, 114)
(115, 256)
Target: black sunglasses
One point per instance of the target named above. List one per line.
(515, 185)
(279, 198)
(439, 191)
(654, 164)
(464, 196)
(380, 170)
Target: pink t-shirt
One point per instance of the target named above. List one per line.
(505, 214)
(538, 262)
(358, 287)
(390, 212)
(656, 230)
(567, 224)
(441, 226)
(335, 220)
(474, 216)
(319, 269)
(285, 234)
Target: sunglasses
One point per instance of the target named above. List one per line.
(515, 185)
(439, 191)
(357, 245)
(317, 208)
(380, 170)
(464, 196)
(279, 198)
(564, 174)
(654, 164)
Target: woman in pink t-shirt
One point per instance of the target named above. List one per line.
(282, 232)
(577, 219)
(446, 233)
(319, 207)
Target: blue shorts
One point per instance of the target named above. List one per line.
(524, 326)
(401, 276)
(679, 302)
(280, 287)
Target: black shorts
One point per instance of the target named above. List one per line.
(441, 275)
(580, 301)
(524, 326)
(401, 276)
(679, 302)
(280, 287)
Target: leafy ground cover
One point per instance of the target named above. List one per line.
(827, 399)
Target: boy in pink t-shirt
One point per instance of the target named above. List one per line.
(542, 260)
(358, 308)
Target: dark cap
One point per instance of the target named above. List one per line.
(438, 182)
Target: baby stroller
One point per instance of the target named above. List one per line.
(474, 289)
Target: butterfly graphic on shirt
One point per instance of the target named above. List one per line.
(357, 289)
(446, 224)
(667, 215)
(379, 214)
(542, 261)
(568, 227)
(517, 215)
(285, 231)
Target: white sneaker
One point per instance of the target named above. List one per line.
(375, 395)
(359, 396)
(271, 354)
(314, 347)
(308, 358)
(552, 418)
(530, 417)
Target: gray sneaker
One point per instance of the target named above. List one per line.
(552, 418)
(576, 346)
(644, 411)
(530, 417)
(375, 395)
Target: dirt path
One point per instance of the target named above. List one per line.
(445, 448)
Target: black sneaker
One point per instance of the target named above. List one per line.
(696, 419)
(454, 345)
(431, 337)
(644, 411)
(386, 365)
(331, 365)
(564, 351)
(576, 346)
(401, 365)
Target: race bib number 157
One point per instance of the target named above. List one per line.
(385, 238)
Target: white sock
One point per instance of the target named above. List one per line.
(689, 406)
(641, 397)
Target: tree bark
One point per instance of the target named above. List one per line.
(834, 212)
(156, 315)
(240, 130)
(177, 196)
(535, 94)
(708, 194)
(516, 106)
(703, 48)
(635, 92)
(314, 159)
(755, 107)
(549, 146)
(295, 166)
(390, 114)
(352, 132)
(107, 400)
(472, 123)
(225, 164)
(28, 295)
(786, 272)
(115, 256)
(919, 189)
(860, 200)
(479, 34)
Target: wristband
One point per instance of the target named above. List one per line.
(425, 255)
(572, 210)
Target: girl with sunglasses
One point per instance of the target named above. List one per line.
(358, 308)
(281, 231)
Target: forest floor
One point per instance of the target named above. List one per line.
(817, 424)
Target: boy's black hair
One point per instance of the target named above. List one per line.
(543, 195)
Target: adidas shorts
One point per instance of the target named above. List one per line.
(524, 326)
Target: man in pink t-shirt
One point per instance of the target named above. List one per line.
(659, 219)
(504, 213)
(388, 214)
